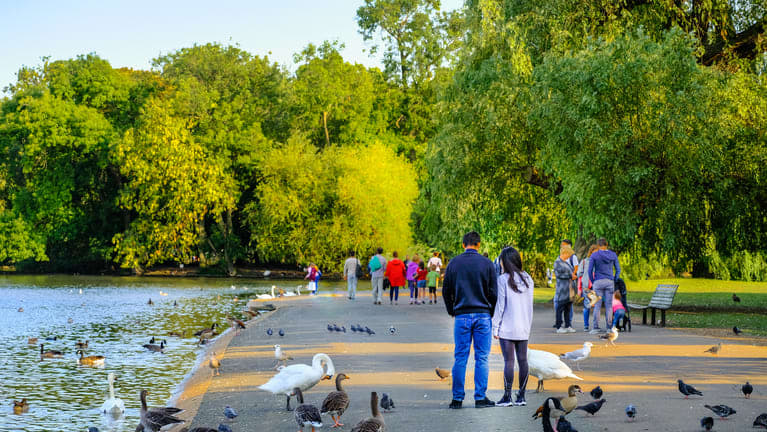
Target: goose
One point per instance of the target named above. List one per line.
(156, 348)
(205, 330)
(81, 345)
(301, 376)
(267, 296)
(306, 414)
(552, 409)
(112, 406)
(336, 402)
(153, 419)
(90, 360)
(372, 424)
(568, 402)
(21, 406)
(545, 366)
(49, 353)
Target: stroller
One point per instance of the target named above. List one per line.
(625, 324)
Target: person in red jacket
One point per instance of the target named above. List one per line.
(395, 271)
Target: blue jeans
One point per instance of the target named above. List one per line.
(571, 309)
(477, 327)
(351, 286)
(604, 288)
(586, 311)
(618, 316)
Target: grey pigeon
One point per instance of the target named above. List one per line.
(707, 423)
(336, 328)
(593, 407)
(230, 413)
(564, 426)
(631, 411)
(353, 327)
(687, 389)
(747, 389)
(281, 332)
(387, 403)
(224, 428)
(736, 330)
(330, 328)
(269, 331)
(596, 392)
(343, 329)
(723, 411)
(761, 421)
(368, 331)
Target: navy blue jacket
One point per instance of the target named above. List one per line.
(470, 285)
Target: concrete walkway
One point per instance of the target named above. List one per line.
(642, 370)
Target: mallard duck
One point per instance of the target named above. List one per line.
(546, 366)
(49, 353)
(336, 402)
(552, 409)
(177, 334)
(21, 406)
(214, 363)
(281, 356)
(153, 419)
(155, 348)
(113, 406)
(90, 360)
(81, 345)
(372, 424)
(301, 376)
(267, 296)
(568, 402)
(306, 414)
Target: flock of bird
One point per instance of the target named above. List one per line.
(356, 329)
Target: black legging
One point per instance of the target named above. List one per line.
(509, 348)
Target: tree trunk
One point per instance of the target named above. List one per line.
(325, 125)
(230, 269)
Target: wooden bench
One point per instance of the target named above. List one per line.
(661, 299)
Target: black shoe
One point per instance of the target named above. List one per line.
(455, 404)
(484, 403)
(520, 401)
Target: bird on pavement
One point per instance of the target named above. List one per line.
(224, 428)
(306, 414)
(568, 402)
(236, 324)
(714, 349)
(735, 298)
(552, 409)
(707, 423)
(369, 331)
(387, 403)
(343, 329)
(723, 411)
(392, 330)
(747, 389)
(214, 363)
(281, 356)
(596, 392)
(281, 332)
(687, 389)
(442, 373)
(230, 413)
(269, 331)
(330, 328)
(631, 412)
(374, 423)
(564, 426)
(610, 336)
(761, 421)
(336, 402)
(353, 327)
(736, 330)
(578, 355)
(336, 328)
(593, 407)
(198, 429)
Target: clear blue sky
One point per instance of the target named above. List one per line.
(131, 33)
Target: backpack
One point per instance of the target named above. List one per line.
(375, 264)
(358, 270)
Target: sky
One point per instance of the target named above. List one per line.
(132, 33)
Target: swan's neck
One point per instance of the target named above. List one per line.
(272, 291)
(111, 390)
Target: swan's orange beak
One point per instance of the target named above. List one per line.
(326, 377)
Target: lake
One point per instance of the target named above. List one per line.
(113, 315)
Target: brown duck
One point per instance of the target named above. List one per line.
(336, 402)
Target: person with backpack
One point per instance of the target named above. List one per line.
(313, 274)
(352, 270)
(377, 266)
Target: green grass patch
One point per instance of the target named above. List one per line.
(706, 294)
(751, 324)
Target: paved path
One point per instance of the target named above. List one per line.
(641, 370)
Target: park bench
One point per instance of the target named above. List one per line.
(661, 300)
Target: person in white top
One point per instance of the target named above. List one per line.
(512, 321)
(350, 274)
(435, 261)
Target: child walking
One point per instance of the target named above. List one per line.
(618, 310)
(421, 281)
(512, 321)
(431, 280)
(412, 278)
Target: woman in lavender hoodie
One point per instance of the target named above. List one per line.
(411, 275)
(512, 321)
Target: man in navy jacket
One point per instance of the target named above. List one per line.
(470, 291)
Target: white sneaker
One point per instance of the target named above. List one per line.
(570, 330)
(561, 330)
(595, 331)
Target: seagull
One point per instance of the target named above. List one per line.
(631, 412)
(269, 331)
(687, 389)
(387, 403)
(736, 330)
(578, 355)
(735, 298)
(723, 411)
(593, 407)
(596, 392)
(230, 413)
(611, 336)
(281, 356)
(281, 332)
(707, 423)
(214, 364)
(392, 330)
(761, 421)
(714, 349)
(747, 389)
(442, 373)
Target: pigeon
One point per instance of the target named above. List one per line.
(442, 373)
(592, 407)
(723, 411)
(714, 349)
(353, 327)
(564, 425)
(330, 328)
(747, 389)
(761, 421)
(359, 328)
(631, 412)
(610, 336)
(343, 329)
(368, 331)
(735, 298)
(687, 389)
(230, 413)
(336, 328)
(281, 332)
(224, 428)
(269, 331)
(736, 330)
(387, 403)
(596, 392)
(392, 330)
(707, 423)
(578, 355)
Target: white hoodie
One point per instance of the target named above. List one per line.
(513, 316)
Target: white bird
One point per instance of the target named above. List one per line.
(281, 356)
(545, 366)
(267, 297)
(578, 355)
(113, 406)
(301, 376)
(297, 292)
(81, 290)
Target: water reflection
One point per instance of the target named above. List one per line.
(113, 315)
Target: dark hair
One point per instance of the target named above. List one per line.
(511, 262)
(602, 242)
(351, 253)
(568, 241)
(421, 265)
(394, 254)
(471, 239)
(380, 250)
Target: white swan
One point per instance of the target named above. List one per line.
(301, 376)
(297, 292)
(266, 296)
(112, 406)
(545, 365)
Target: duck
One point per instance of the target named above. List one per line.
(301, 376)
(546, 366)
(90, 360)
(306, 414)
(552, 409)
(21, 406)
(153, 419)
(32, 341)
(156, 348)
(112, 406)
(372, 424)
(81, 345)
(568, 402)
(336, 402)
(49, 353)
(267, 296)
(237, 325)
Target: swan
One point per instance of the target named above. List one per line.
(112, 406)
(292, 293)
(267, 297)
(301, 376)
(545, 366)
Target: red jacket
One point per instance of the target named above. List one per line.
(395, 271)
(422, 274)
